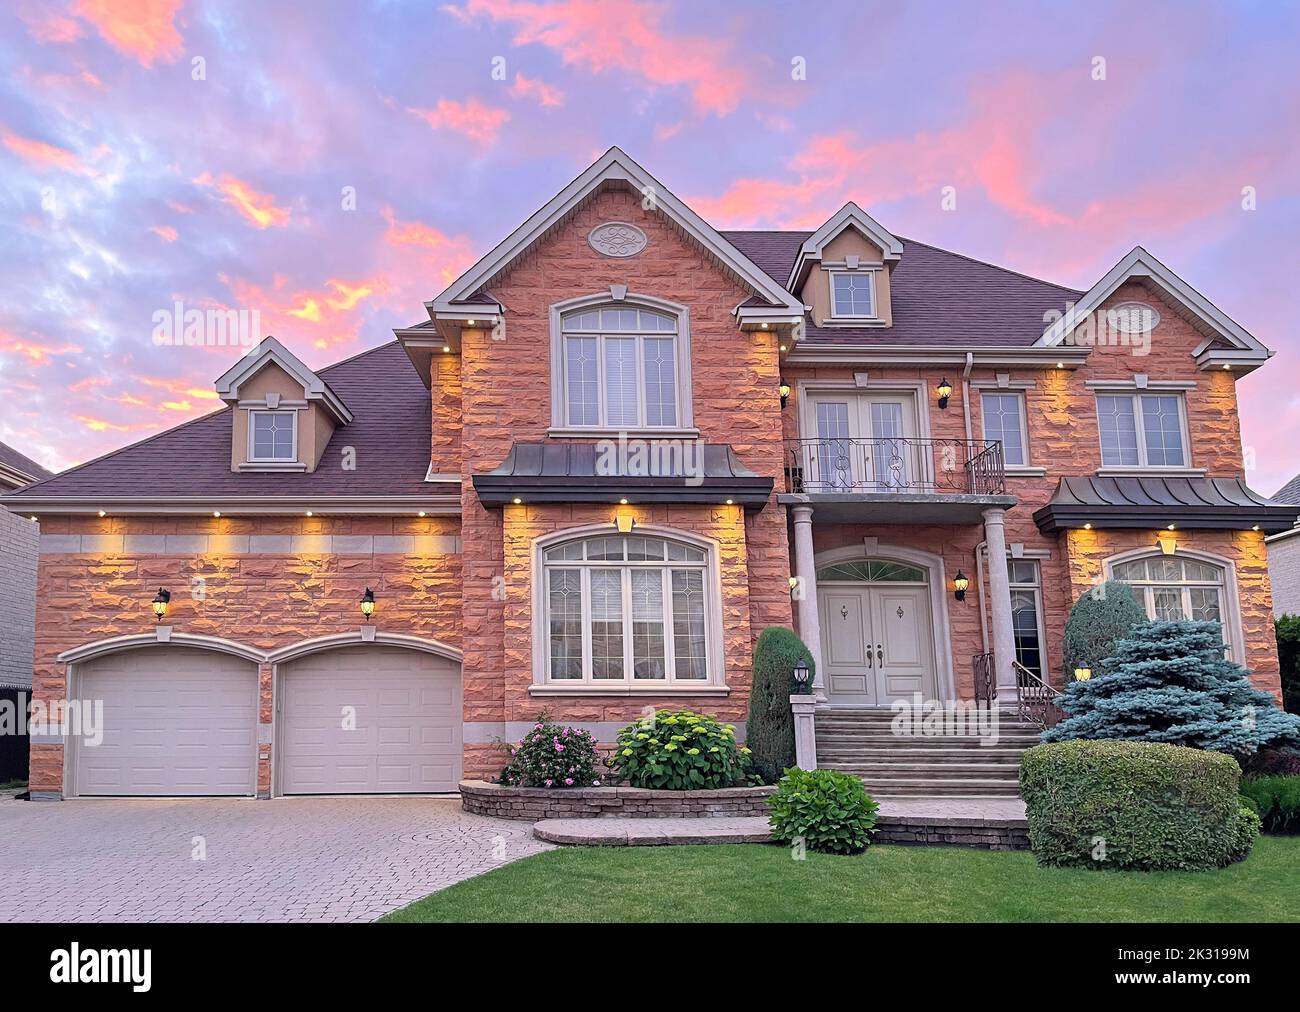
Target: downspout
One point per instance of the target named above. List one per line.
(980, 551)
(965, 393)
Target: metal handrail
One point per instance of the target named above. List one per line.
(1036, 701)
(896, 464)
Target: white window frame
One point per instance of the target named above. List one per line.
(1036, 588)
(832, 273)
(252, 430)
(618, 298)
(713, 683)
(1229, 605)
(1136, 396)
(1019, 395)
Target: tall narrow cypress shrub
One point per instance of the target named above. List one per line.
(1101, 616)
(769, 732)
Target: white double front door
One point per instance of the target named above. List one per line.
(877, 643)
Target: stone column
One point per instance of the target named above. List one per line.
(805, 568)
(805, 731)
(1004, 641)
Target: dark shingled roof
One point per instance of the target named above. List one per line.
(11, 458)
(389, 430)
(937, 297)
(1152, 502)
(1290, 492)
(575, 472)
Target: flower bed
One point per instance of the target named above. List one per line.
(536, 803)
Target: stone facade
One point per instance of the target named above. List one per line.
(1284, 565)
(534, 804)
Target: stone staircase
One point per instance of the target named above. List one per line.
(862, 742)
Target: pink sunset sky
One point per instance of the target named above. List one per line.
(158, 151)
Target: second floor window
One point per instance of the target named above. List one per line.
(272, 436)
(620, 368)
(852, 294)
(1141, 430)
(1004, 419)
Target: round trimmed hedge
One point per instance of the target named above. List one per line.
(1134, 805)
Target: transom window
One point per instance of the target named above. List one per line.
(1004, 420)
(1170, 588)
(853, 294)
(629, 609)
(272, 435)
(620, 368)
(1141, 430)
(870, 571)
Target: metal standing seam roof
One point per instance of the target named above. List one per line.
(1226, 503)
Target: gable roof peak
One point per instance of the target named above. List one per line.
(848, 216)
(270, 351)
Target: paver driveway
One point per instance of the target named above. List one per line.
(292, 859)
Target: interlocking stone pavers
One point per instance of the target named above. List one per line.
(294, 859)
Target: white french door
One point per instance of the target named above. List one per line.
(863, 442)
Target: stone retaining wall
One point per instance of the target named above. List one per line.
(989, 834)
(535, 803)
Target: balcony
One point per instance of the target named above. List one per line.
(896, 479)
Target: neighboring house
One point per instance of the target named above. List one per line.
(491, 477)
(1284, 557)
(18, 550)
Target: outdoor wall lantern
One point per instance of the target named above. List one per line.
(624, 524)
(785, 392)
(368, 603)
(160, 604)
(959, 585)
(1082, 674)
(801, 674)
(944, 390)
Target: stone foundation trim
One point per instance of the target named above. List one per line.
(536, 804)
(653, 832)
(987, 834)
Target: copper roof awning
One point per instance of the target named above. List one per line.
(1158, 501)
(642, 471)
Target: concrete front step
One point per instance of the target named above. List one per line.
(620, 832)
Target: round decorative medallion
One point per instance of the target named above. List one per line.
(617, 239)
(1133, 318)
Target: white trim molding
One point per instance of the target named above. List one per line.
(116, 644)
(270, 350)
(848, 216)
(357, 638)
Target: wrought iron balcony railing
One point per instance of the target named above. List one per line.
(895, 464)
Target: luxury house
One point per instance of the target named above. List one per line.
(621, 445)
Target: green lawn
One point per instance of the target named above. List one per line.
(763, 883)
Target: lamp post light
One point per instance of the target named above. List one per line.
(1082, 674)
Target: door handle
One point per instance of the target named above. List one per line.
(870, 663)
(880, 656)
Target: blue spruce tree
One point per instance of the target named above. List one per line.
(1169, 682)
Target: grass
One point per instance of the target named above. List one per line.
(14, 785)
(740, 883)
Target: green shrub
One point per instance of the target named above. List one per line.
(1169, 682)
(1133, 805)
(1277, 800)
(1245, 831)
(769, 731)
(678, 750)
(1288, 654)
(1101, 616)
(551, 755)
(828, 810)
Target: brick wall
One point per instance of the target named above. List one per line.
(1284, 567)
(18, 540)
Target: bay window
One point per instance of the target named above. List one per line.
(621, 368)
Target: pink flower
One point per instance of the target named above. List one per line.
(595, 783)
(537, 727)
(568, 781)
(559, 747)
(549, 782)
(566, 732)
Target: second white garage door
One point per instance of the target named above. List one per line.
(370, 720)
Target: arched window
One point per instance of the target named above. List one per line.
(622, 366)
(632, 609)
(1172, 587)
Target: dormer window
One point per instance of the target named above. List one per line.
(272, 437)
(853, 295)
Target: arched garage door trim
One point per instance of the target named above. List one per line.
(99, 648)
(325, 644)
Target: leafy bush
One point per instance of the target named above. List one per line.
(1169, 682)
(678, 750)
(770, 729)
(1100, 617)
(1133, 805)
(830, 811)
(1274, 761)
(1277, 800)
(550, 755)
(1244, 833)
(1288, 653)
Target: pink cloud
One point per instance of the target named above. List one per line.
(48, 156)
(531, 87)
(628, 36)
(258, 208)
(164, 232)
(144, 30)
(52, 27)
(476, 120)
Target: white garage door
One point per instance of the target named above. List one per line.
(176, 721)
(370, 720)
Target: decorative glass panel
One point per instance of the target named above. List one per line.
(648, 623)
(1162, 425)
(660, 382)
(1167, 604)
(638, 365)
(1201, 572)
(273, 435)
(583, 386)
(1119, 446)
(1002, 421)
(620, 381)
(888, 451)
(873, 570)
(606, 623)
(1131, 572)
(564, 606)
(688, 624)
(852, 294)
(1205, 604)
(1024, 626)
